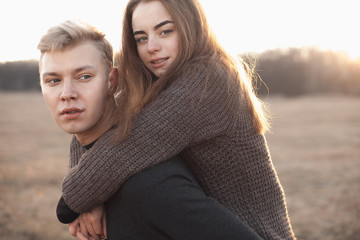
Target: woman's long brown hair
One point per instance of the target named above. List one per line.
(196, 43)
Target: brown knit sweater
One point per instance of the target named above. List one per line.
(209, 124)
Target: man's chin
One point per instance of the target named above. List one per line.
(70, 130)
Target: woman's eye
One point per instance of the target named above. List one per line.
(165, 32)
(141, 39)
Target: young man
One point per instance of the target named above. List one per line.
(78, 82)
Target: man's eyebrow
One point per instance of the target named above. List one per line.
(157, 26)
(82, 68)
(76, 70)
(50, 74)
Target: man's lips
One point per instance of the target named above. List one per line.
(71, 113)
(70, 110)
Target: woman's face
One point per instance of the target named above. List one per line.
(156, 37)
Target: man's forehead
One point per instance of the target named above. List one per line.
(72, 59)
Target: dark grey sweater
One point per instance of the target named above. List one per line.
(210, 125)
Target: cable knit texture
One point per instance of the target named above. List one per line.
(210, 125)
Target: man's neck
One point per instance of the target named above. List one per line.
(87, 138)
(102, 127)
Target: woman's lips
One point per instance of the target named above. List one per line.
(159, 62)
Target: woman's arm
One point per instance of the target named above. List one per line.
(188, 111)
(64, 213)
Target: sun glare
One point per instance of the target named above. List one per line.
(240, 26)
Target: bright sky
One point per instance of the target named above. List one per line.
(240, 25)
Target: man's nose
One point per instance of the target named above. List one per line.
(69, 90)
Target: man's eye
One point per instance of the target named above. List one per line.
(85, 77)
(53, 81)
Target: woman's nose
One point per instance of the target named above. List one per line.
(153, 44)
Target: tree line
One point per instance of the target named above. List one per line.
(19, 76)
(290, 72)
(298, 71)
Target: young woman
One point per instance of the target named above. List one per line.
(181, 93)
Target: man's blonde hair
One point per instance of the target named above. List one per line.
(71, 33)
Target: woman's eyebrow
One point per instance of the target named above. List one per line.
(162, 24)
(139, 32)
(157, 26)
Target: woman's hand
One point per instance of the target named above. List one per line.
(91, 225)
(74, 229)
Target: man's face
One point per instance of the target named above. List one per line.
(76, 88)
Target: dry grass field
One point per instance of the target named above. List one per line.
(315, 145)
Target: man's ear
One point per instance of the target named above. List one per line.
(113, 80)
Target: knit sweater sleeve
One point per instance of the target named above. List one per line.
(190, 110)
(76, 151)
(63, 212)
